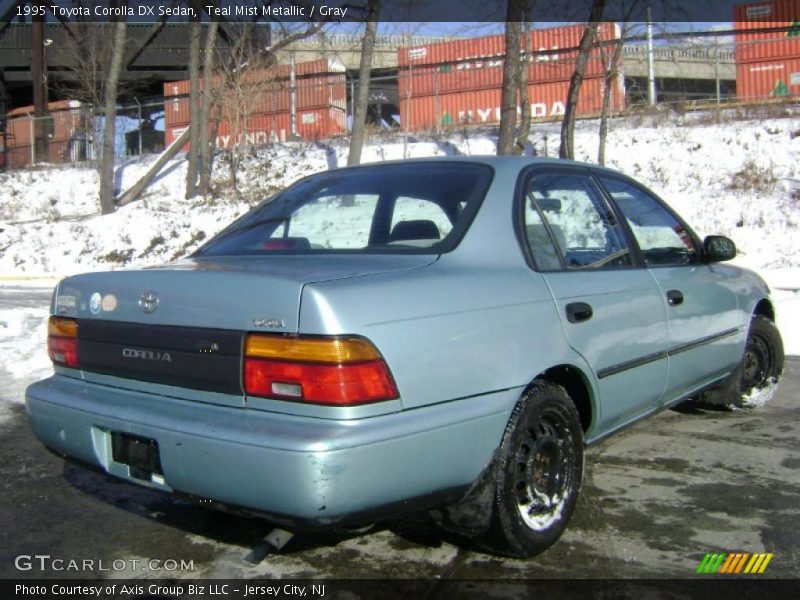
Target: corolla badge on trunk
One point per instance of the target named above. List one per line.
(148, 302)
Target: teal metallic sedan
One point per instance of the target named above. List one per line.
(441, 334)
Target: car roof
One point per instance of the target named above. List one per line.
(491, 160)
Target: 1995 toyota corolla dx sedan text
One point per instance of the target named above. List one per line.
(440, 334)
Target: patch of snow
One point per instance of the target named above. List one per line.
(759, 397)
(23, 343)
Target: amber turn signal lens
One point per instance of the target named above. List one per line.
(62, 327)
(310, 349)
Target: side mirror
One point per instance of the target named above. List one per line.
(717, 248)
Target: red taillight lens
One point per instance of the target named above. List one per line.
(62, 341)
(330, 371)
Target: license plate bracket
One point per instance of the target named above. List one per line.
(140, 454)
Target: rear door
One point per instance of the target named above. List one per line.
(610, 306)
(704, 321)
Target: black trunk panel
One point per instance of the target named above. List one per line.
(190, 357)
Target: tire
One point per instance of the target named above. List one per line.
(538, 473)
(760, 368)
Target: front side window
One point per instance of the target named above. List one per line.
(566, 218)
(399, 208)
(662, 238)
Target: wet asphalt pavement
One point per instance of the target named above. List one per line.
(656, 498)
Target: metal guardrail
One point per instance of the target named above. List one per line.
(396, 40)
(693, 54)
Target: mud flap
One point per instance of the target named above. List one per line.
(471, 516)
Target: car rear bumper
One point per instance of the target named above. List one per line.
(318, 472)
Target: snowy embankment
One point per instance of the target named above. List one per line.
(740, 178)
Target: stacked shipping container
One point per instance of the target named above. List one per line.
(261, 111)
(460, 81)
(64, 127)
(767, 62)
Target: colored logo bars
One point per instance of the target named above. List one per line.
(734, 563)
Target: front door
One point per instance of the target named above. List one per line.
(704, 320)
(610, 306)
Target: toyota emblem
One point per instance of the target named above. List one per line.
(148, 302)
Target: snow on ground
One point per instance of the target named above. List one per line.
(739, 177)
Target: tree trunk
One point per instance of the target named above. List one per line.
(194, 108)
(508, 101)
(611, 76)
(567, 149)
(361, 102)
(207, 145)
(109, 130)
(524, 100)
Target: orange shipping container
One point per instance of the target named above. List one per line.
(765, 46)
(318, 84)
(313, 92)
(548, 101)
(312, 124)
(64, 130)
(774, 79)
(477, 63)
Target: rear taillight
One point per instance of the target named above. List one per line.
(320, 370)
(62, 341)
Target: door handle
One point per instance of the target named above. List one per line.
(578, 311)
(674, 297)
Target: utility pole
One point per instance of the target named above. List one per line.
(292, 99)
(651, 67)
(716, 69)
(39, 140)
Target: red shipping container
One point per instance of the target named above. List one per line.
(312, 124)
(318, 84)
(477, 63)
(64, 131)
(477, 107)
(268, 98)
(765, 46)
(773, 79)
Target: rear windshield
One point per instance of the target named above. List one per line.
(401, 208)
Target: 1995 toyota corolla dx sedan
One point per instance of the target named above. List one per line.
(439, 334)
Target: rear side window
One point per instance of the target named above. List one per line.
(398, 208)
(567, 219)
(661, 237)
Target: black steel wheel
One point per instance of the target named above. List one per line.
(538, 473)
(759, 370)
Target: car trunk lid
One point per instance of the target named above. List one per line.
(183, 324)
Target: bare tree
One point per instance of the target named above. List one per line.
(524, 100)
(240, 63)
(109, 129)
(196, 123)
(506, 141)
(207, 142)
(361, 102)
(567, 149)
(611, 66)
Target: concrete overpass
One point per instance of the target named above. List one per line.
(164, 56)
(686, 62)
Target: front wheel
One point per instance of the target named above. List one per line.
(762, 363)
(753, 382)
(538, 473)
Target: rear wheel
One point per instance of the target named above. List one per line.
(753, 382)
(538, 473)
